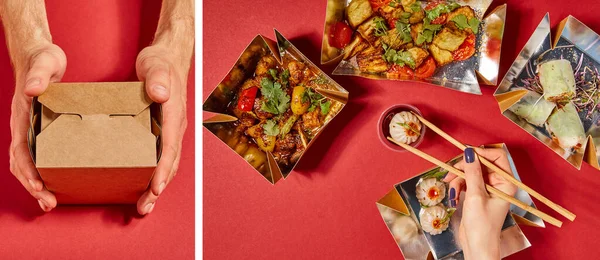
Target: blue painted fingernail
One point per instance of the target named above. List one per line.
(453, 203)
(452, 194)
(469, 155)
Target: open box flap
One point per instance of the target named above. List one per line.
(394, 201)
(107, 98)
(111, 142)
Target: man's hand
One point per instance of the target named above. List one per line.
(41, 65)
(164, 67)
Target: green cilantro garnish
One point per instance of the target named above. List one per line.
(409, 128)
(318, 100)
(271, 128)
(440, 9)
(380, 27)
(273, 73)
(416, 6)
(277, 101)
(426, 35)
(398, 57)
(462, 22)
(403, 30)
(284, 76)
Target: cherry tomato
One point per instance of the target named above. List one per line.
(340, 34)
(246, 99)
(376, 4)
(466, 49)
(400, 72)
(442, 18)
(427, 69)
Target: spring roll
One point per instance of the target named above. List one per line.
(565, 127)
(533, 108)
(558, 81)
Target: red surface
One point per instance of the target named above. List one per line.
(101, 40)
(326, 208)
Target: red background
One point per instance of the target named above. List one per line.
(326, 208)
(101, 40)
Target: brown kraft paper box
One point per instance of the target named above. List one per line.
(95, 143)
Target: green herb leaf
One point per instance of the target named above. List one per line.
(284, 77)
(416, 6)
(440, 9)
(276, 100)
(380, 27)
(271, 128)
(403, 30)
(273, 73)
(429, 30)
(399, 57)
(462, 22)
(325, 107)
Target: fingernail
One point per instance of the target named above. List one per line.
(161, 187)
(42, 204)
(469, 155)
(149, 207)
(452, 194)
(453, 203)
(33, 186)
(160, 90)
(32, 83)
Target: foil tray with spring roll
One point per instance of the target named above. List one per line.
(552, 90)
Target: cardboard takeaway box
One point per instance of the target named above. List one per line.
(400, 209)
(95, 143)
(571, 40)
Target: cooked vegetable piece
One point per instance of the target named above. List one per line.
(297, 71)
(266, 62)
(427, 69)
(463, 23)
(370, 60)
(255, 157)
(533, 108)
(399, 57)
(418, 55)
(300, 100)
(393, 39)
(340, 34)
(358, 11)
(460, 15)
(466, 49)
(357, 45)
(558, 81)
(287, 126)
(246, 99)
(442, 57)
(372, 28)
(565, 127)
(449, 40)
(400, 72)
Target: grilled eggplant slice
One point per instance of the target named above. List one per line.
(367, 30)
(449, 39)
(393, 40)
(355, 46)
(464, 10)
(418, 55)
(371, 60)
(441, 56)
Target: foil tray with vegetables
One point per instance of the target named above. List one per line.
(552, 90)
(446, 43)
(425, 225)
(272, 106)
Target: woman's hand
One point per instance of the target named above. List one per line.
(40, 65)
(482, 214)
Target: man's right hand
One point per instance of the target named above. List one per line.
(42, 64)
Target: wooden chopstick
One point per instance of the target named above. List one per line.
(564, 212)
(489, 188)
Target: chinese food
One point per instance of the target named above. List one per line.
(430, 191)
(406, 39)
(533, 108)
(558, 80)
(279, 108)
(566, 128)
(435, 220)
(405, 127)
